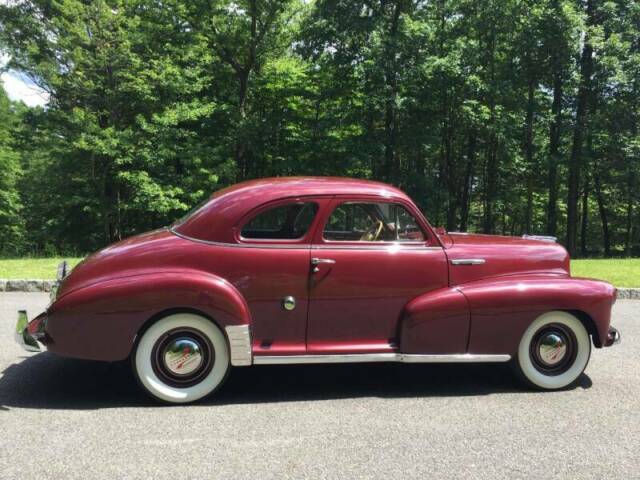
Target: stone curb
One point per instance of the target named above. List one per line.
(38, 285)
(629, 293)
(32, 285)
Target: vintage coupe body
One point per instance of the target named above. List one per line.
(321, 270)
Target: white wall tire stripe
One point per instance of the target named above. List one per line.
(143, 367)
(583, 346)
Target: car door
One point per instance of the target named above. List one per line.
(271, 270)
(369, 258)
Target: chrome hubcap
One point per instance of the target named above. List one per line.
(183, 356)
(553, 348)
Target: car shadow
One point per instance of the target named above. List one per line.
(51, 382)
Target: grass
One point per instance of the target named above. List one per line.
(32, 268)
(619, 272)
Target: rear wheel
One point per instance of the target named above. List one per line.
(554, 351)
(181, 358)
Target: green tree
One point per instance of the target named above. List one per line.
(11, 224)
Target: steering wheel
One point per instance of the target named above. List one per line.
(373, 232)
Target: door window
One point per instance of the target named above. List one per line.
(372, 222)
(284, 222)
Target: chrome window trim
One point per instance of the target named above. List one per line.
(288, 246)
(405, 206)
(276, 204)
(379, 357)
(386, 246)
(299, 246)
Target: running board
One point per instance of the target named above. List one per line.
(379, 357)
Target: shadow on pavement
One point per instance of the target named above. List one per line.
(48, 381)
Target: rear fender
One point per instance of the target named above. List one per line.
(101, 321)
(503, 308)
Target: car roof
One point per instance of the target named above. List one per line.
(214, 220)
(301, 186)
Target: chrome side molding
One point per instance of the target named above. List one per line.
(241, 354)
(468, 261)
(239, 345)
(379, 357)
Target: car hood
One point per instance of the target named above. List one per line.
(129, 257)
(474, 256)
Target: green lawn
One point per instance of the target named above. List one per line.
(619, 272)
(32, 268)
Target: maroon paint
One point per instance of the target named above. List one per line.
(504, 256)
(436, 322)
(377, 297)
(357, 301)
(502, 308)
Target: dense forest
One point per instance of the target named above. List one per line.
(497, 116)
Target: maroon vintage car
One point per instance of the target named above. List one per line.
(321, 270)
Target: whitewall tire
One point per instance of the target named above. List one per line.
(181, 358)
(554, 351)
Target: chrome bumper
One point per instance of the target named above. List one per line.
(613, 337)
(25, 339)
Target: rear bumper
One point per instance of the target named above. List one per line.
(31, 335)
(613, 337)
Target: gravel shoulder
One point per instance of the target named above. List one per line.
(63, 418)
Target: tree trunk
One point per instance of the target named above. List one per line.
(603, 216)
(449, 171)
(585, 219)
(491, 186)
(392, 167)
(554, 154)
(575, 161)
(632, 174)
(491, 173)
(528, 151)
(629, 235)
(468, 178)
(241, 142)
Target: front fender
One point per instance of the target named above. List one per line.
(100, 321)
(502, 308)
(436, 322)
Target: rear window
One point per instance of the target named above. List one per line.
(284, 222)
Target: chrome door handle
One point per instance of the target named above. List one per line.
(318, 261)
(468, 261)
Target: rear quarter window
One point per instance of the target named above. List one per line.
(283, 222)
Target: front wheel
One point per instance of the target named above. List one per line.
(554, 351)
(181, 358)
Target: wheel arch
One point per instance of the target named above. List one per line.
(589, 324)
(502, 308)
(173, 311)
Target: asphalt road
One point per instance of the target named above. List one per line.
(66, 419)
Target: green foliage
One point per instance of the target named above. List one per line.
(469, 106)
(11, 222)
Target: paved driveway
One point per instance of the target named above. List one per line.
(74, 419)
